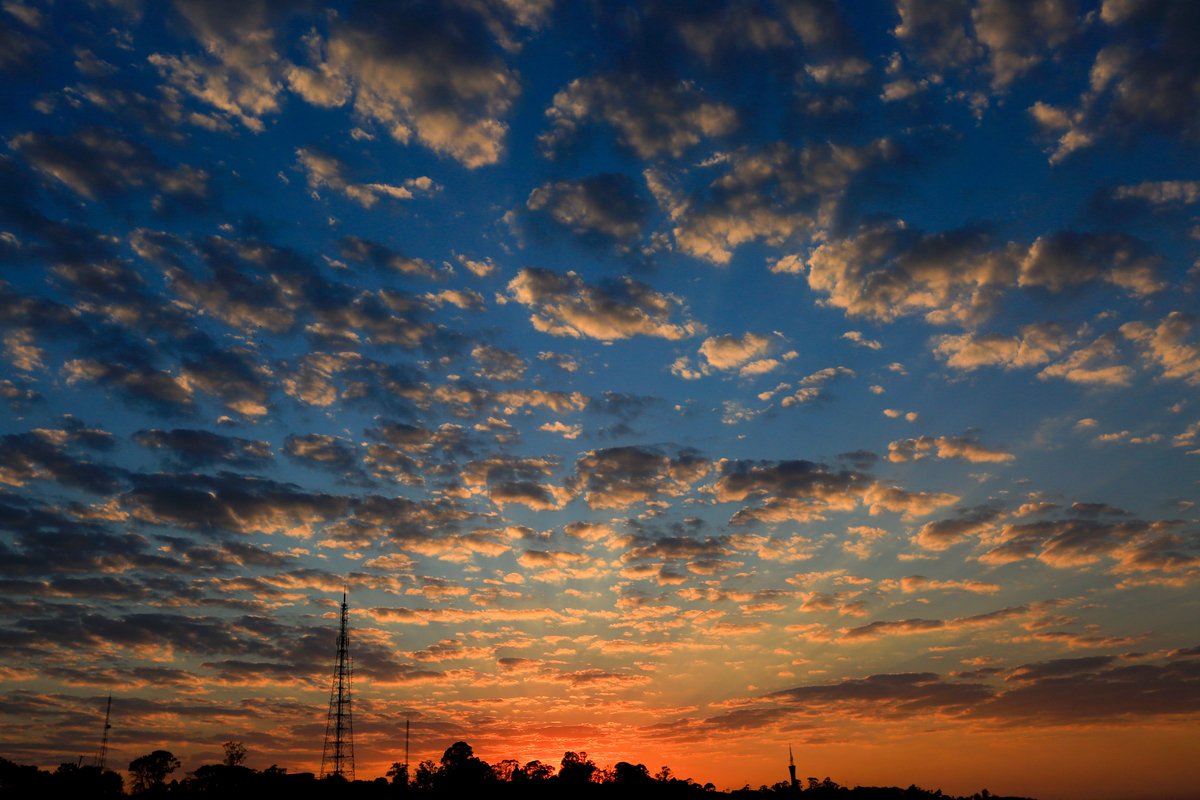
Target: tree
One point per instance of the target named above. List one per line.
(398, 773)
(235, 753)
(149, 771)
(506, 770)
(535, 771)
(426, 773)
(80, 780)
(576, 768)
(461, 769)
(631, 776)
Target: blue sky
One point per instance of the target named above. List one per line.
(660, 380)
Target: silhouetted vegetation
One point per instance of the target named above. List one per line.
(459, 773)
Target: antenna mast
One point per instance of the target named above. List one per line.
(338, 755)
(102, 755)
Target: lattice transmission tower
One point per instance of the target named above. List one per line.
(102, 753)
(338, 756)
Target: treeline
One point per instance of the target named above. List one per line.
(459, 773)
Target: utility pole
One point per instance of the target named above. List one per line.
(337, 758)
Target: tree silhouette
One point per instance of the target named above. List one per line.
(535, 771)
(576, 768)
(149, 771)
(86, 780)
(631, 776)
(459, 773)
(461, 770)
(235, 753)
(398, 773)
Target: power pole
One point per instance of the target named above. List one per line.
(102, 755)
(338, 756)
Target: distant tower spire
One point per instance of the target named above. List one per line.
(338, 755)
(102, 753)
(792, 766)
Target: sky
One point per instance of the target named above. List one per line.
(673, 382)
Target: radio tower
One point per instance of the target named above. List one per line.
(102, 754)
(338, 755)
(792, 768)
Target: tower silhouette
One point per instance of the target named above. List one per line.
(102, 753)
(337, 758)
(792, 766)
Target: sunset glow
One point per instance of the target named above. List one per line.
(674, 382)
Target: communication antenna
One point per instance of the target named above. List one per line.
(406, 749)
(102, 755)
(338, 756)
(791, 766)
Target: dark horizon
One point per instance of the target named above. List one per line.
(456, 772)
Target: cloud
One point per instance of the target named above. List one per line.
(323, 452)
(1062, 692)
(713, 31)
(511, 480)
(1036, 344)
(19, 49)
(886, 271)
(382, 257)
(651, 118)
(192, 447)
(427, 71)
(1159, 193)
(967, 447)
(906, 627)
(1051, 693)
(619, 477)
(727, 351)
(1093, 364)
(139, 382)
(1170, 345)
(1020, 35)
(1131, 546)
(42, 455)
(236, 376)
(773, 194)
(804, 491)
(883, 272)
(911, 584)
(812, 387)
(497, 364)
(857, 338)
(101, 163)
(606, 205)
(563, 305)
(561, 428)
(1096, 363)
(1068, 258)
(230, 502)
(326, 171)
(240, 75)
(936, 32)
(943, 534)
(18, 397)
(1143, 80)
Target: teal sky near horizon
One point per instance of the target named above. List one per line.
(668, 381)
